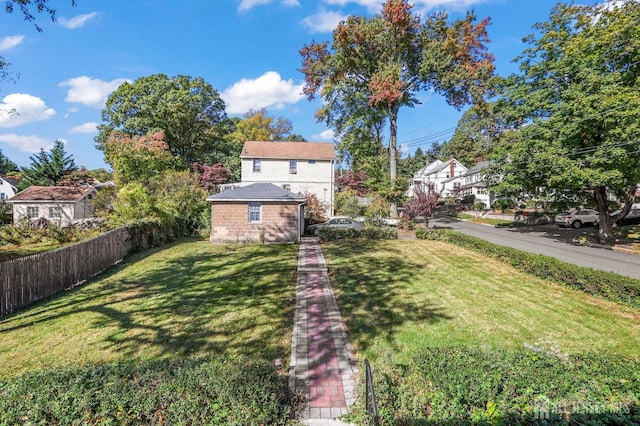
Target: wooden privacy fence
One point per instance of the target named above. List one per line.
(28, 279)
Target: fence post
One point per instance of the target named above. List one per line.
(370, 395)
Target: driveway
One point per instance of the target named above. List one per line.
(550, 240)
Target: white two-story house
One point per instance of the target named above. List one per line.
(299, 167)
(475, 184)
(445, 176)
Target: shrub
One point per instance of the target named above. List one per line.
(24, 234)
(459, 385)
(371, 232)
(219, 390)
(610, 286)
(479, 206)
(346, 203)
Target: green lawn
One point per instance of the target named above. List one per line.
(408, 295)
(455, 337)
(185, 299)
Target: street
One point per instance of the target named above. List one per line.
(550, 241)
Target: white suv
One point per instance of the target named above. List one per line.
(578, 218)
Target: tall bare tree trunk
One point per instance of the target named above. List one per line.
(605, 227)
(393, 150)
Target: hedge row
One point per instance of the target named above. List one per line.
(229, 391)
(369, 232)
(610, 286)
(458, 385)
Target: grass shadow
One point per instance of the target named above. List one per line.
(371, 290)
(180, 300)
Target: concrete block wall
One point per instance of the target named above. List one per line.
(230, 223)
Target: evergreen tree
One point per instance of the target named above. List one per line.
(6, 165)
(47, 168)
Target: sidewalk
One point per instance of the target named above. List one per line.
(322, 368)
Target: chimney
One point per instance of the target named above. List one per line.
(451, 167)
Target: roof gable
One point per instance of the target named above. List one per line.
(257, 192)
(479, 167)
(53, 193)
(289, 150)
(11, 181)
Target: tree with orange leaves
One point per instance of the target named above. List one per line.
(376, 66)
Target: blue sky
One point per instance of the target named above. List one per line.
(246, 49)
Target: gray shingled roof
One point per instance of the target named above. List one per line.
(257, 192)
(478, 167)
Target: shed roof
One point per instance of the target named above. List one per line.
(52, 193)
(289, 150)
(257, 192)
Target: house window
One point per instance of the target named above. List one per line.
(255, 212)
(55, 213)
(33, 212)
(286, 187)
(3, 196)
(257, 165)
(293, 167)
(312, 161)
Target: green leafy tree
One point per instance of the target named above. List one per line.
(138, 159)
(385, 61)
(47, 168)
(133, 202)
(346, 203)
(257, 125)
(6, 165)
(474, 137)
(178, 195)
(188, 110)
(575, 110)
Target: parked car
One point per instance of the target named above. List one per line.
(578, 218)
(632, 218)
(336, 222)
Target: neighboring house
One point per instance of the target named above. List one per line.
(260, 212)
(299, 167)
(446, 177)
(58, 204)
(475, 184)
(8, 187)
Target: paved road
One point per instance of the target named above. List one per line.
(551, 241)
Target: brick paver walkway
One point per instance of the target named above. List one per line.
(322, 368)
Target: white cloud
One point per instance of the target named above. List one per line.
(77, 21)
(26, 143)
(323, 22)
(326, 135)
(9, 42)
(89, 91)
(246, 5)
(90, 127)
(17, 109)
(268, 90)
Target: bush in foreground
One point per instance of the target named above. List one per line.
(370, 232)
(457, 385)
(610, 286)
(205, 391)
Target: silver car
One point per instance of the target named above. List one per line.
(336, 222)
(578, 218)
